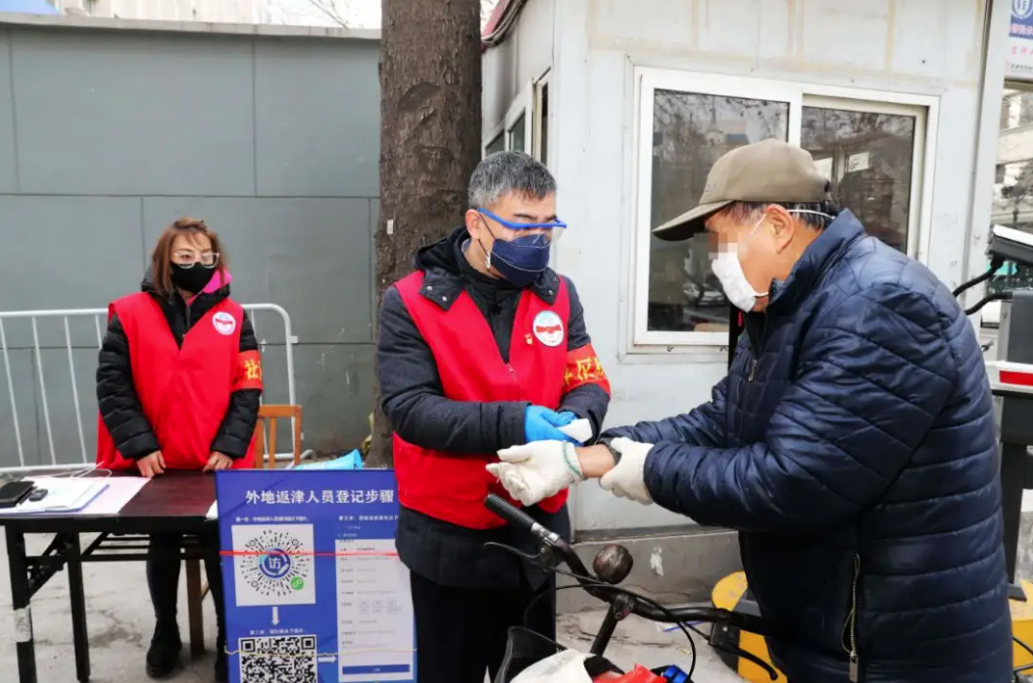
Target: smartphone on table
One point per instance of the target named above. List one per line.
(14, 492)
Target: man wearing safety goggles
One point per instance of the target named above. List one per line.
(483, 347)
(852, 443)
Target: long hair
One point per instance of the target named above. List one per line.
(161, 258)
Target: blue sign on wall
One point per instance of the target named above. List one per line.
(1020, 37)
(314, 590)
(1021, 18)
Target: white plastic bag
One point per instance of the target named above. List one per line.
(563, 667)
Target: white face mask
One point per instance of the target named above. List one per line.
(737, 288)
(728, 270)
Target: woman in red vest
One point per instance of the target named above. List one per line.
(178, 386)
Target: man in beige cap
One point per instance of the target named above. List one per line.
(852, 443)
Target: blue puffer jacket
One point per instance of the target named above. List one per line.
(853, 446)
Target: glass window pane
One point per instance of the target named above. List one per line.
(1013, 184)
(1013, 195)
(545, 125)
(690, 132)
(1025, 107)
(1016, 109)
(496, 145)
(517, 136)
(868, 157)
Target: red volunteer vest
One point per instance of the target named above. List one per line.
(185, 392)
(453, 488)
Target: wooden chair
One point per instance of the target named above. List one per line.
(267, 416)
(265, 458)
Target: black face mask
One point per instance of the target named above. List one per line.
(193, 279)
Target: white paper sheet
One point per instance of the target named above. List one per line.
(120, 491)
(374, 611)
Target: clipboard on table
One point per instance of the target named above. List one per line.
(63, 496)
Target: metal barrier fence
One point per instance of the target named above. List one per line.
(99, 319)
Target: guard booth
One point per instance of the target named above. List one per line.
(629, 102)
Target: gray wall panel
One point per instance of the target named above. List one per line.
(83, 330)
(310, 256)
(335, 389)
(274, 375)
(318, 118)
(72, 252)
(23, 376)
(57, 379)
(8, 167)
(119, 132)
(125, 113)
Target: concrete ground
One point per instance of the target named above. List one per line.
(119, 619)
(638, 641)
(120, 623)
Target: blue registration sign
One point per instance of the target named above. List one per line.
(314, 590)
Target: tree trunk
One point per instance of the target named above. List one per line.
(430, 140)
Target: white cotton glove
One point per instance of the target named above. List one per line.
(628, 478)
(535, 471)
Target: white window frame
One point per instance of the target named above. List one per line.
(523, 103)
(491, 137)
(797, 95)
(538, 123)
(919, 211)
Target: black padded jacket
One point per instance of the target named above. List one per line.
(116, 395)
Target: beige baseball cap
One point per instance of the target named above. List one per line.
(766, 171)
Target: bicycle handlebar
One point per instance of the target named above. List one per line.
(602, 591)
(512, 515)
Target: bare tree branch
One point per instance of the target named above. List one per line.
(487, 7)
(329, 8)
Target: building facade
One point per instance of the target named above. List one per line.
(629, 102)
(364, 14)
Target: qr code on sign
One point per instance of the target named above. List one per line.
(278, 659)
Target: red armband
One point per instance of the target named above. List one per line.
(583, 367)
(248, 374)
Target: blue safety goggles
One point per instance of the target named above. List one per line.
(522, 226)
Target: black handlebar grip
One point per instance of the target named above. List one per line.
(511, 514)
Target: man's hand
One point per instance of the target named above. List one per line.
(150, 465)
(540, 425)
(218, 461)
(535, 471)
(627, 478)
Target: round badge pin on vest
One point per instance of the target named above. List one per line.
(224, 323)
(548, 328)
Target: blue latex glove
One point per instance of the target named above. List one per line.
(540, 424)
